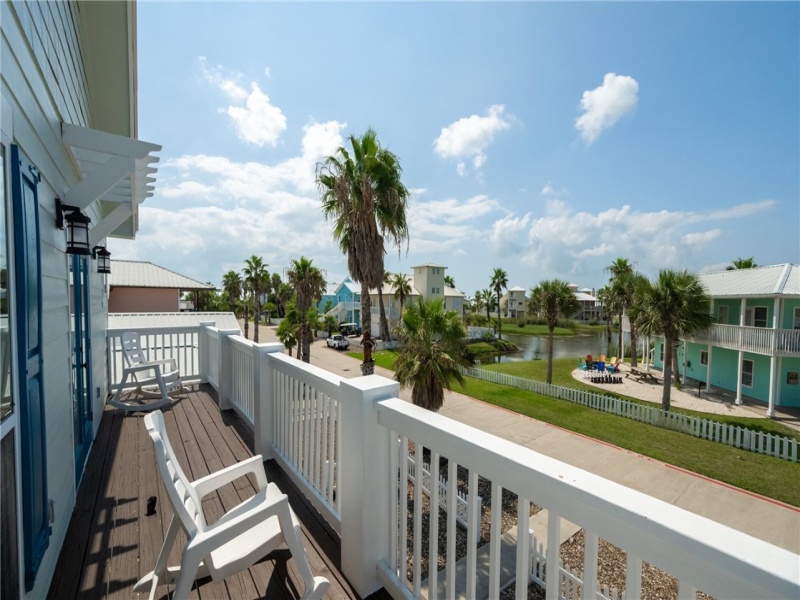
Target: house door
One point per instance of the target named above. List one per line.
(28, 297)
(81, 363)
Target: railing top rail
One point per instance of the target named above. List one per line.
(154, 330)
(678, 541)
(321, 379)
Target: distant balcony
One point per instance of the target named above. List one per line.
(349, 445)
(761, 340)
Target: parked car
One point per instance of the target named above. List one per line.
(338, 341)
(349, 329)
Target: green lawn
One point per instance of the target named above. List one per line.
(766, 475)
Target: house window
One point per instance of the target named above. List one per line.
(796, 320)
(756, 316)
(703, 357)
(747, 373)
(661, 351)
(722, 314)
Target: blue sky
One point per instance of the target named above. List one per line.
(544, 138)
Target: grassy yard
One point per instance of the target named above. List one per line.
(766, 475)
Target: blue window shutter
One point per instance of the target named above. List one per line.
(28, 291)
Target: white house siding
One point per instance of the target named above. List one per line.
(43, 83)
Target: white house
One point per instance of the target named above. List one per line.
(513, 302)
(427, 282)
(68, 126)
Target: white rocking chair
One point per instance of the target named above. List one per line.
(162, 376)
(242, 537)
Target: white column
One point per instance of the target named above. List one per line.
(225, 372)
(742, 308)
(202, 350)
(365, 472)
(773, 363)
(264, 401)
(708, 367)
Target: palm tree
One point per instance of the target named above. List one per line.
(363, 195)
(232, 288)
(449, 281)
(309, 285)
(402, 288)
(639, 286)
(431, 351)
(275, 285)
(255, 274)
(552, 298)
(675, 305)
(742, 263)
(284, 294)
(499, 281)
(478, 301)
(289, 329)
(489, 303)
(620, 293)
(605, 298)
(384, 323)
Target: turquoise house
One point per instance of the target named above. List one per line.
(348, 302)
(753, 349)
(329, 295)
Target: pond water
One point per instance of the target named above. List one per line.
(535, 347)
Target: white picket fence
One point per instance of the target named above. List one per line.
(462, 504)
(571, 583)
(733, 435)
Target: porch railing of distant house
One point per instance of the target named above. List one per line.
(726, 433)
(763, 340)
(346, 444)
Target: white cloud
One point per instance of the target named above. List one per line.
(505, 237)
(605, 105)
(568, 243)
(256, 120)
(468, 138)
(444, 225)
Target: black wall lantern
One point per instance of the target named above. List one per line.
(103, 257)
(77, 225)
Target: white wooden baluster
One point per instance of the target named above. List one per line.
(494, 541)
(474, 530)
(553, 536)
(417, 541)
(394, 491)
(433, 531)
(523, 548)
(452, 494)
(590, 545)
(337, 473)
(633, 577)
(403, 509)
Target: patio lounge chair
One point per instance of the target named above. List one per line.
(239, 539)
(154, 378)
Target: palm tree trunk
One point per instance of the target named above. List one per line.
(667, 373)
(620, 350)
(306, 342)
(608, 335)
(499, 324)
(256, 317)
(246, 323)
(384, 324)
(550, 355)
(368, 366)
(634, 344)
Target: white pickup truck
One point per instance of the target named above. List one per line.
(338, 341)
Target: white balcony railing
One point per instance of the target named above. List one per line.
(762, 340)
(346, 443)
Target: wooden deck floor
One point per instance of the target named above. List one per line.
(111, 542)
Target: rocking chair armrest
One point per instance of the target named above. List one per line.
(254, 465)
(275, 505)
(173, 366)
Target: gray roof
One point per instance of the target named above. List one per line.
(132, 273)
(171, 319)
(429, 265)
(774, 280)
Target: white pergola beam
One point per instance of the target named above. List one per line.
(109, 223)
(94, 185)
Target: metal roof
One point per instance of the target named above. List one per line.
(774, 280)
(132, 273)
(171, 319)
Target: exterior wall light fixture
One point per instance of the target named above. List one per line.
(77, 226)
(103, 257)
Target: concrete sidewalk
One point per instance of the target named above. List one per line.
(764, 518)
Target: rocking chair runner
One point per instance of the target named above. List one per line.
(162, 374)
(242, 537)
